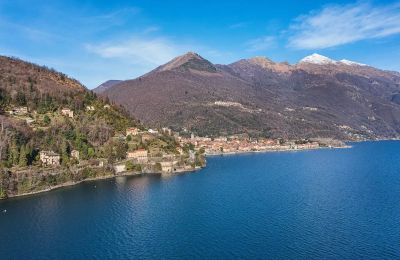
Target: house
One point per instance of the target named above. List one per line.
(132, 131)
(221, 139)
(107, 106)
(152, 131)
(75, 154)
(90, 108)
(67, 112)
(140, 155)
(167, 131)
(147, 137)
(19, 111)
(180, 150)
(49, 158)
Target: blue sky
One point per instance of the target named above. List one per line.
(96, 40)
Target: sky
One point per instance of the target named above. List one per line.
(94, 41)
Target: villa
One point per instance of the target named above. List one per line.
(140, 155)
(132, 131)
(49, 158)
(67, 112)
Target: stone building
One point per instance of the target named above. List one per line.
(132, 131)
(49, 158)
(75, 154)
(67, 112)
(140, 155)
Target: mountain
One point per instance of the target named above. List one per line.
(317, 97)
(317, 59)
(106, 85)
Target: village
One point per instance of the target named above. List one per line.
(244, 144)
(144, 154)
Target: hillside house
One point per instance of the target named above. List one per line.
(107, 106)
(20, 111)
(67, 112)
(152, 131)
(132, 131)
(75, 154)
(49, 158)
(90, 108)
(180, 150)
(140, 155)
(167, 131)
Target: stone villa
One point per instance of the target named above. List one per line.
(140, 155)
(132, 131)
(75, 154)
(67, 112)
(50, 158)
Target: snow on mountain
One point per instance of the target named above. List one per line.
(317, 59)
(351, 63)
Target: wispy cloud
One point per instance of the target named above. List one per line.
(151, 51)
(238, 25)
(151, 29)
(261, 44)
(342, 24)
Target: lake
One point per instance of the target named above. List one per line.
(331, 204)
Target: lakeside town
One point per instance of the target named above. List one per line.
(133, 151)
(149, 159)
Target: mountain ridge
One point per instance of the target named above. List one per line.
(307, 99)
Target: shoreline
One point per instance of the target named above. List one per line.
(129, 174)
(71, 183)
(276, 150)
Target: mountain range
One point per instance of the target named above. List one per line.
(317, 97)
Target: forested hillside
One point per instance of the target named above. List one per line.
(53, 130)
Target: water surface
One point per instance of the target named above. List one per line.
(334, 204)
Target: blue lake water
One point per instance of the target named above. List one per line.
(336, 204)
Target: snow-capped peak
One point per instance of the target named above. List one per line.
(351, 63)
(317, 59)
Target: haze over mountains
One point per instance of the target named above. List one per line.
(317, 97)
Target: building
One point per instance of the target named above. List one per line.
(180, 150)
(90, 108)
(167, 131)
(107, 106)
(168, 166)
(132, 131)
(152, 131)
(19, 111)
(49, 158)
(140, 155)
(67, 112)
(75, 154)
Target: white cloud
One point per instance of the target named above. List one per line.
(138, 50)
(238, 25)
(261, 44)
(342, 24)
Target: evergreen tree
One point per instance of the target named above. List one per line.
(14, 154)
(23, 160)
